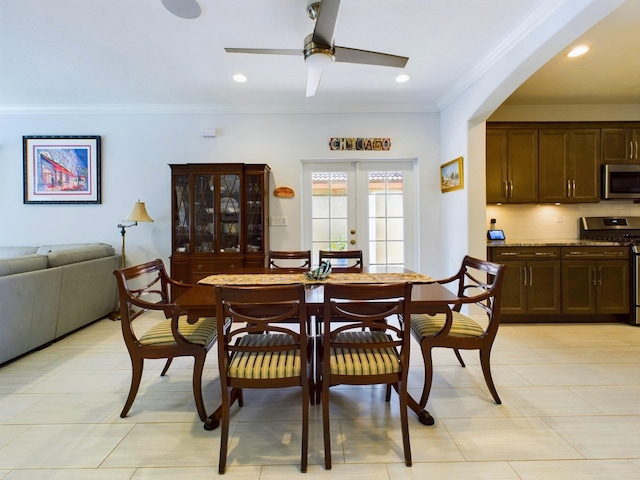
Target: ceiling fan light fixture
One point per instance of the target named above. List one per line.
(320, 59)
(239, 78)
(577, 51)
(403, 78)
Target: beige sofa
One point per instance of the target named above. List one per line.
(49, 291)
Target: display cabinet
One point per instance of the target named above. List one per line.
(219, 218)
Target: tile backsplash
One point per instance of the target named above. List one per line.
(553, 222)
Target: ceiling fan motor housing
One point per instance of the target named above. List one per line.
(316, 54)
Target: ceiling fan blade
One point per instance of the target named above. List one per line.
(188, 9)
(326, 22)
(314, 74)
(352, 55)
(265, 51)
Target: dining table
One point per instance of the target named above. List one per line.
(427, 296)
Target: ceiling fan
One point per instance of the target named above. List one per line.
(320, 52)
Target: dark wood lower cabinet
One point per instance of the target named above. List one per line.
(564, 284)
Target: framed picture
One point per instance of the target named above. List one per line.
(451, 175)
(61, 169)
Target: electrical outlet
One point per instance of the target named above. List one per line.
(279, 221)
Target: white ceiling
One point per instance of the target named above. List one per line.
(134, 52)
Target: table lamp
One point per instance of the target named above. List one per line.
(137, 214)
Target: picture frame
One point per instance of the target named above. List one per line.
(61, 169)
(452, 175)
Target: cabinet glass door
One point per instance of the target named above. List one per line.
(181, 224)
(230, 212)
(203, 188)
(254, 212)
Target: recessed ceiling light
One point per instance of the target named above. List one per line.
(577, 51)
(402, 78)
(240, 78)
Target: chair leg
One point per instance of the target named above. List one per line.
(197, 386)
(305, 428)
(166, 366)
(387, 393)
(137, 366)
(428, 374)
(459, 357)
(485, 362)
(404, 422)
(224, 431)
(325, 426)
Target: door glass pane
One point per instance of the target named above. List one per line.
(386, 218)
(181, 221)
(329, 211)
(230, 212)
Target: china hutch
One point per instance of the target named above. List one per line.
(219, 218)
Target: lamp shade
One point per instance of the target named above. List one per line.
(138, 213)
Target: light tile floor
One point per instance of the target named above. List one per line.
(571, 410)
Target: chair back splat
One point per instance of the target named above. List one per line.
(345, 261)
(290, 261)
(478, 284)
(369, 346)
(147, 287)
(264, 349)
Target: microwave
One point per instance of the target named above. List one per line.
(620, 181)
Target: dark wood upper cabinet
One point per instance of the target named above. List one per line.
(569, 165)
(620, 145)
(512, 165)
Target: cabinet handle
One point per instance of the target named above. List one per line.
(568, 188)
(593, 276)
(573, 188)
(544, 254)
(508, 254)
(505, 184)
(524, 269)
(636, 149)
(530, 276)
(599, 271)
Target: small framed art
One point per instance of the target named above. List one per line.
(61, 169)
(451, 175)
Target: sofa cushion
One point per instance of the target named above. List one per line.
(44, 249)
(9, 252)
(24, 263)
(57, 258)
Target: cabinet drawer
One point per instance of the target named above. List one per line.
(505, 254)
(595, 252)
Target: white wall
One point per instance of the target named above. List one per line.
(136, 149)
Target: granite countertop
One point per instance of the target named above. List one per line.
(554, 243)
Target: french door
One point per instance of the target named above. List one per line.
(361, 205)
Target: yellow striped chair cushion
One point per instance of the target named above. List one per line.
(370, 361)
(202, 332)
(426, 325)
(265, 365)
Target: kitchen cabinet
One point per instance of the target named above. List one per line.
(620, 145)
(595, 280)
(219, 215)
(512, 165)
(532, 280)
(569, 165)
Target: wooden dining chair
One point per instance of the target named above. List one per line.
(290, 261)
(346, 261)
(478, 283)
(147, 287)
(262, 352)
(370, 349)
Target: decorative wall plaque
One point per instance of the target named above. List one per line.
(343, 143)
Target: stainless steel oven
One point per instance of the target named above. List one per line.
(624, 230)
